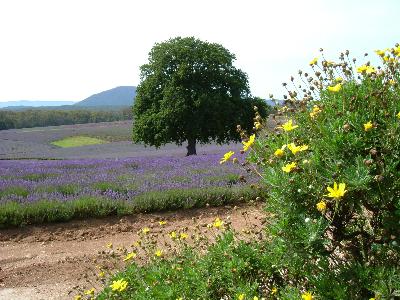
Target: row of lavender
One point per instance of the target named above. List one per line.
(29, 181)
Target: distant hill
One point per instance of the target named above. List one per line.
(34, 103)
(119, 96)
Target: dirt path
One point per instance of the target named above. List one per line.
(47, 262)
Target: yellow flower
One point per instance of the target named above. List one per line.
(146, 230)
(292, 147)
(321, 206)
(159, 253)
(249, 143)
(90, 292)
(289, 167)
(335, 88)
(366, 69)
(226, 157)
(381, 53)
(241, 296)
(102, 274)
(314, 61)
(307, 296)
(337, 191)
(398, 115)
(183, 236)
(339, 79)
(255, 298)
(315, 111)
(257, 125)
(288, 126)
(109, 245)
(218, 223)
(274, 291)
(78, 297)
(368, 126)
(392, 82)
(162, 223)
(119, 285)
(397, 50)
(129, 256)
(279, 152)
(172, 235)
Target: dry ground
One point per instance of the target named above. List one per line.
(48, 261)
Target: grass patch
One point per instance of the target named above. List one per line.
(13, 214)
(77, 141)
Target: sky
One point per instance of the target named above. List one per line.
(71, 49)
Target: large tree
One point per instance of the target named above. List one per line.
(190, 91)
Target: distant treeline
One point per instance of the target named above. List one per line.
(42, 118)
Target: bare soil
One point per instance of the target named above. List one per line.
(49, 261)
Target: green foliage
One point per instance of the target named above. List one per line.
(77, 141)
(190, 90)
(14, 214)
(42, 118)
(341, 246)
(195, 276)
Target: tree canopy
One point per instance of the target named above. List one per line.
(191, 91)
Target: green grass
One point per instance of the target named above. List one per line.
(77, 141)
(13, 214)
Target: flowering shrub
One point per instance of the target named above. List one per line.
(332, 171)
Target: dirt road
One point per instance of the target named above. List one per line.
(48, 261)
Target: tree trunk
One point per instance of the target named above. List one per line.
(191, 147)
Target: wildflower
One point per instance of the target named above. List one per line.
(255, 298)
(249, 143)
(335, 88)
(307, 296)
(109, 245)
(146, 230)
(129, 256)
(397, 50)
(279, 152)
(368, 126)
(172, 235)
(274, 291)
(314, 61)
(366, 69)
(288, 126)
(90, 292)
(241, 296)
(218, 223)
(392, 82)
(158, 253)
(257, 125)
(289, 167)
(102, 274)
(183, 236)
(337, 191)
(226, 157)
(381, 53)
(292, 147)
(321, 206)
(78, 297)
(119, 285)
(316, 110)
(339, 79)
(398, 115)
(162, 223)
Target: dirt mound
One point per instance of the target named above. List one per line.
(48, 261)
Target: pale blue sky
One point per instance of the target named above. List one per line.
(68, 50)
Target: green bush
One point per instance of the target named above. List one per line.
(332, 171)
